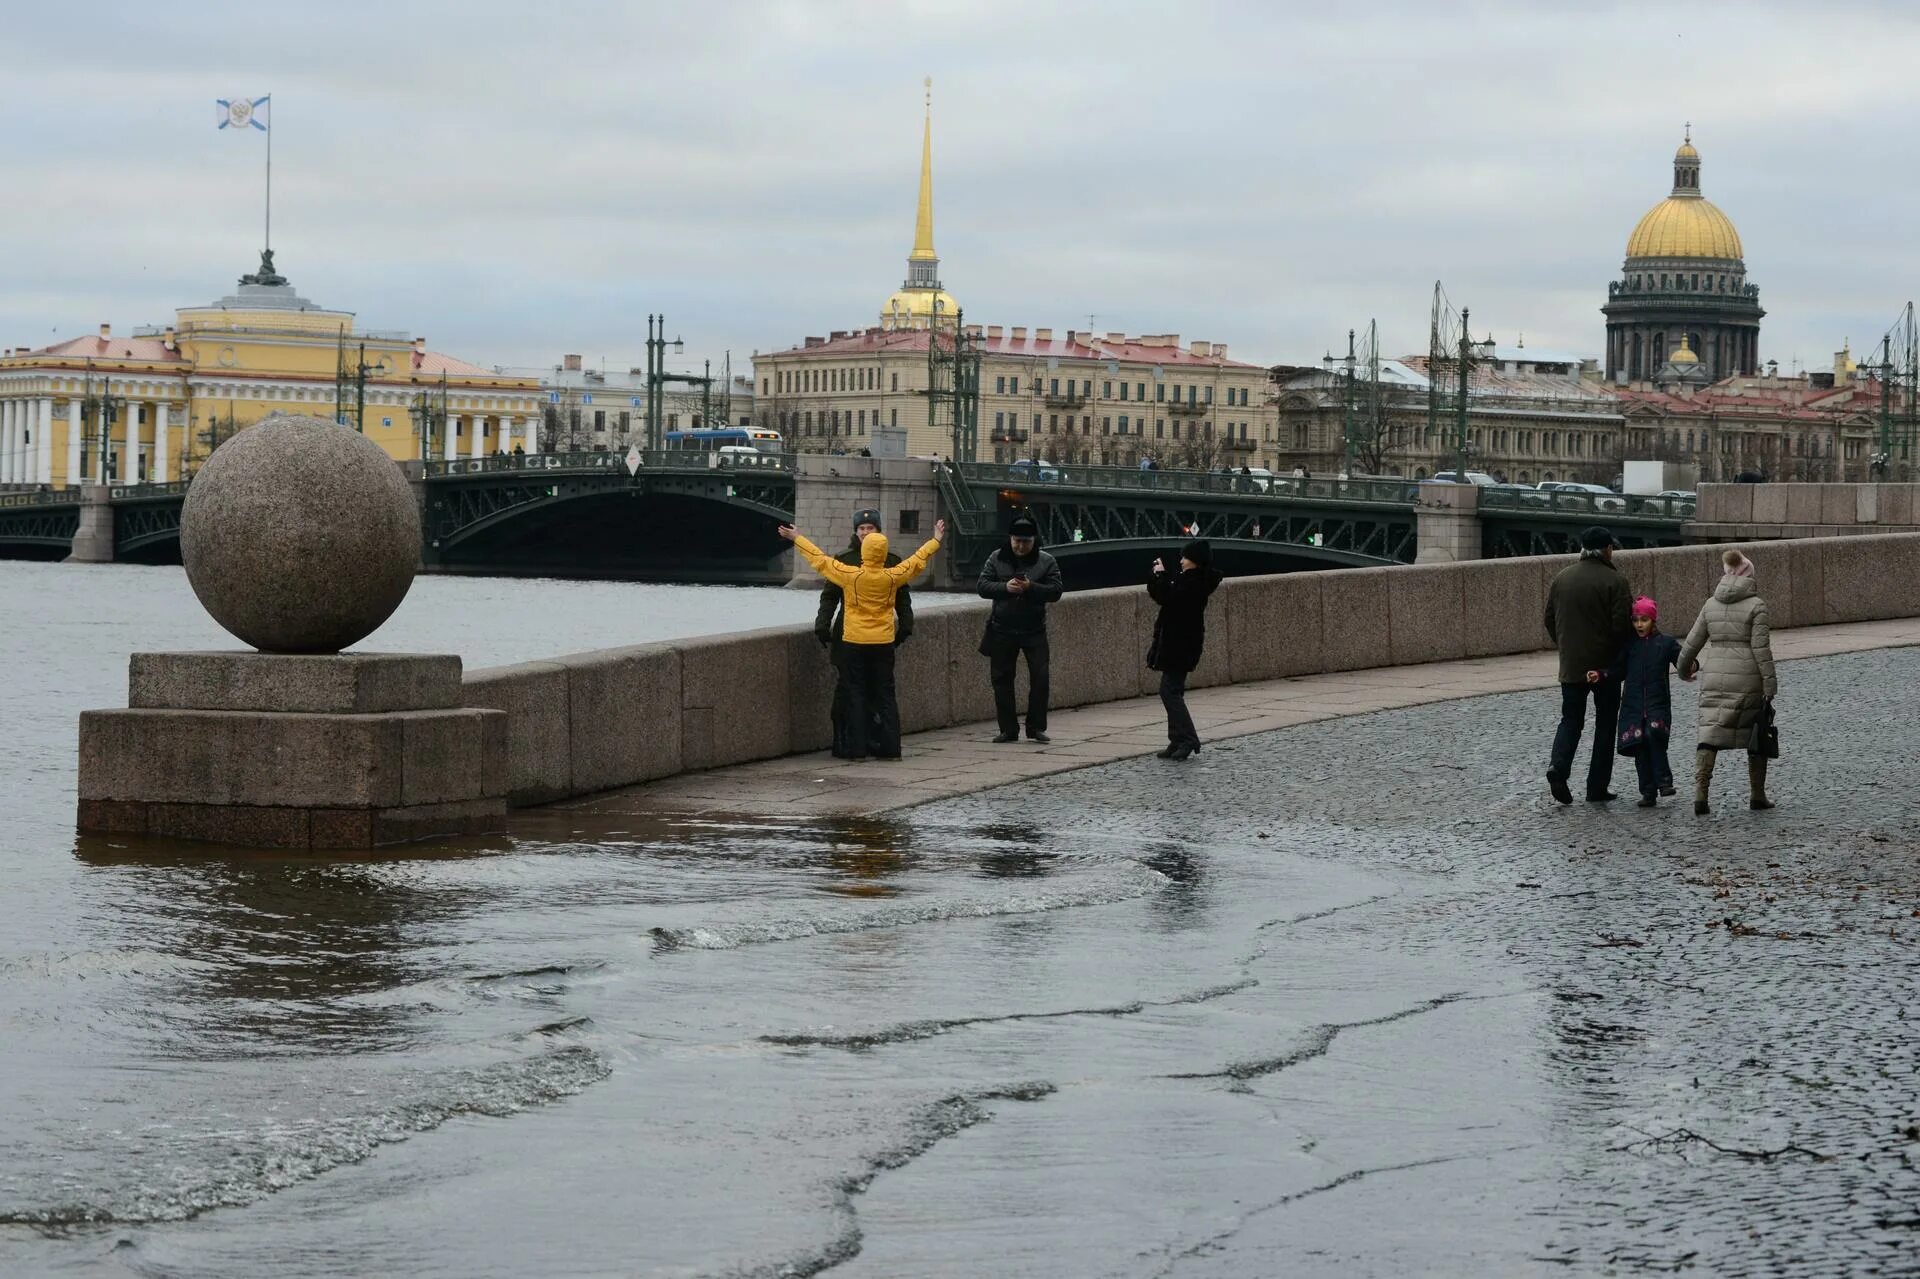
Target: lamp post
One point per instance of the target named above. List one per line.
(1463, 443)
(1346, 397)
(656, 373)
(102, 408)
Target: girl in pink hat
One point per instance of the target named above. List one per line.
(1646, 704)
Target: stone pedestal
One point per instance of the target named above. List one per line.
(93, 540)
(1446, 522)
(301, 751)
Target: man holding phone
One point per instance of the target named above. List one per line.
(1021, 580)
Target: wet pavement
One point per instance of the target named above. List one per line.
(1350, 997)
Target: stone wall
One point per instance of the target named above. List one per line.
(1729, 512)
(592, 721)
(829, 488)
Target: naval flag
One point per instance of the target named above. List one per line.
(239, 113)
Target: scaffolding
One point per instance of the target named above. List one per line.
(1449, 365)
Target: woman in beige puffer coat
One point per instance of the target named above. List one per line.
(1731, 642)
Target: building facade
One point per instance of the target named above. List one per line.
(1081, 397)
(150, 408)
(1684, 282)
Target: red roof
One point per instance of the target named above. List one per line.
(1081, 346)
(99, 348)
(432, 362)
(1793, 400)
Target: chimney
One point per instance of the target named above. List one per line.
(813, 341)
(993, 331)
(1200, 348)
(1219, 350)
(106, 331)
(571, 363)
(973, 330)
(419, 346)
(1043, 335)
(167, 340)
(1117, 339)
(1019, 332)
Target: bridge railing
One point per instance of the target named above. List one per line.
(39, 497)
(172, 488)
(1597, 505)
(1132, 479)
(595, 461)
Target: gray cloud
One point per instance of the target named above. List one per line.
(517, 182)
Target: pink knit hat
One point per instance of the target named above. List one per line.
(1645, 607)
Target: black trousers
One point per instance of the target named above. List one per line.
(1651, 768)
(1573, 718)
(872, 711)
(1173, 696)
(1005, 651)
(844, 743)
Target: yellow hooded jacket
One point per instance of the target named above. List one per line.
(869, 589)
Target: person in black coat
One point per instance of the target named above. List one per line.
(1179, 636)
(828, 623)
(1646, 699)
(1021, 580)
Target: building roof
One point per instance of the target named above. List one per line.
(111, 348)
(1794, 399)
(1075, 345)
(435, 363)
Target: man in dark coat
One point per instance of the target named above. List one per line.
(1021, 580)
(1180, 635)
(829, 621)
(1590, 618)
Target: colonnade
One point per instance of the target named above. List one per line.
(26, 441)
(475, 435)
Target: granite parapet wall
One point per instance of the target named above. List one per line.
(614, 717)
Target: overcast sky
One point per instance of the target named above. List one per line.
(517, 181)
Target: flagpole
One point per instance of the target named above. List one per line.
(269, 244)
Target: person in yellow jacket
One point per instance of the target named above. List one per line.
(873, 711)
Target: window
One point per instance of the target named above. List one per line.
(893, 417)
(1160, 428)
(1106, 426)
(1123, 390)
(896, 382)
(860, 420)
(909, 521)
(1106, 388)
(999, 421)
(1086, 388)
(1123, 424)
(1209, 398)
(1139, 391)
(1159, 392)
(1013, 385)
(765, 384)
(999, 386)
(1053, 424)
(1036, 423)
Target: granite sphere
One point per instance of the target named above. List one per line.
(300, 535)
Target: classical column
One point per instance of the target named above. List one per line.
(74, 433)
(532, 428)
(160, 442)
(7, 445)
(450, 448)
(474, 445)
(129, 471)
(43, 440)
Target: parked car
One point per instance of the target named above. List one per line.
(1604, 498)
(1685, 495)
(1473, 477)
(1521, 494)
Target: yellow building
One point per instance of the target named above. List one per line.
(1085, 397)
(151, 407)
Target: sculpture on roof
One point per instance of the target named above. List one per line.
(266, 275)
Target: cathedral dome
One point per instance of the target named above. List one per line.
(1685, 226)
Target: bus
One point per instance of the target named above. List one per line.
(713, 439)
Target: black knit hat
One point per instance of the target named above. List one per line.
(1199, 552)
(868, 517)
(1597, 539)
(1023, 526)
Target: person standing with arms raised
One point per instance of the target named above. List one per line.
(1180, 635)
(868, 591)
(1590, 618)
(1021, 580)
(828, 624)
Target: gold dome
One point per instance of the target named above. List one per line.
(918, 304)
(1685, 226)
(1686, 152)
(1685, 354)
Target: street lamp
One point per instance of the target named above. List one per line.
(101, 408)
(656, 372)
(1346, 426)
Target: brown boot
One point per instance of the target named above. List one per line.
(1757, 778)
(1702, 779)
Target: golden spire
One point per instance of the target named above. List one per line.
(923, 220)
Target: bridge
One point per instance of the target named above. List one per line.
(675, 515)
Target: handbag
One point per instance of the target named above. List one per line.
(1766, 735)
